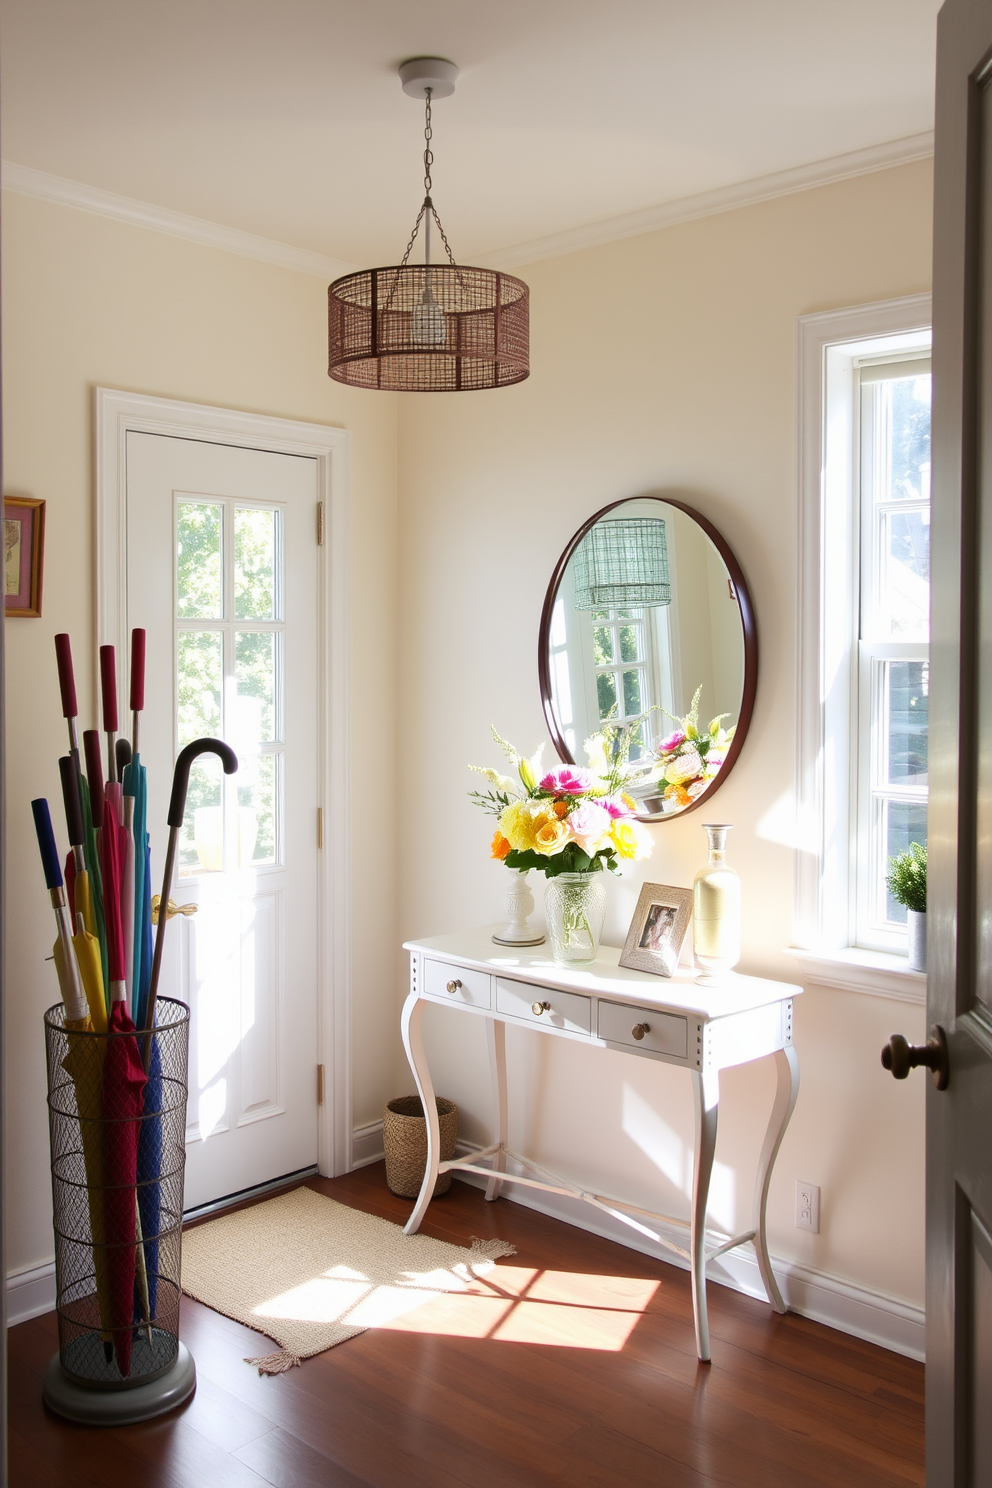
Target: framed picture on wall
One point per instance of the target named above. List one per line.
(658, 930)
(23, 555)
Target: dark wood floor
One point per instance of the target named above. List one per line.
(785, 1404)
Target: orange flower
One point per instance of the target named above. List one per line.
(679, 795)
(628, 801)
(560, 809)
(500, 847)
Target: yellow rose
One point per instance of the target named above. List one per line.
(630, 838)
(551, 836)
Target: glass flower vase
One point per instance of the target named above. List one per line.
(716, 911)
(575, 908)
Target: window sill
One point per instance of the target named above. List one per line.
(875, 973)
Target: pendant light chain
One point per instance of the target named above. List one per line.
(428, 205)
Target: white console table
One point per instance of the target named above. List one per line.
(673, 1021)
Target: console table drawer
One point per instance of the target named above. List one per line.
(457, 984)
(568, 1009)
(662, 1033)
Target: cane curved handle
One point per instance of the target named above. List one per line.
(180, 780)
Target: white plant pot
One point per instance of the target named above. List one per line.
(916, 923)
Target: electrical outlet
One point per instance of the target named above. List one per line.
(807, 1207)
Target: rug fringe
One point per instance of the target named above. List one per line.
(490, 1250)
(277, 1363)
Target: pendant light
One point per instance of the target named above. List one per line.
(430, 327)
(621, 563)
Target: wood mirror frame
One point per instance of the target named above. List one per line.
(749, 630)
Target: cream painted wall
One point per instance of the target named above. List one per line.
(90, 302)
(661, 363)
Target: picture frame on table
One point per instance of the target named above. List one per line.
(658, 930)
(23, 555)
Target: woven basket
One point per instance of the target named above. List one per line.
(404, 1136)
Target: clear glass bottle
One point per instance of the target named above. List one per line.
(716, 910)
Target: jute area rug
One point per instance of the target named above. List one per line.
(310, 1273)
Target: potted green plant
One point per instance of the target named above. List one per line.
(906, 881)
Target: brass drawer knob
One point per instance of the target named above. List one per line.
(640, 1029)
(453, 986)
(537, 1008)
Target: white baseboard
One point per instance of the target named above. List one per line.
(30, 1293)
(826, 1299)
(366, 1144)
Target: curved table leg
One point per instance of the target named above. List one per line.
(706, 1093)
(496, 1038)
(413, 1042)
(786, 1091)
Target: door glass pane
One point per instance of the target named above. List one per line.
(630, 643)
(257, 809)
(255, 676)
(631, 692)
(907, 685)
(201, 665)
(254, 564)
(606, 689)
(201, 839)
(906, 574)
(602, 645)
(199, 539)
(904, 822)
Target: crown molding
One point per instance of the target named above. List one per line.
(723, 199)
(26, 181)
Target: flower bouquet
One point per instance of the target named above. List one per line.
(569, 823)
(688, 759)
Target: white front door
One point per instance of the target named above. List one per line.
(222, 574)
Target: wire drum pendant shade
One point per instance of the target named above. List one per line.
(437, 328)
(621, 563)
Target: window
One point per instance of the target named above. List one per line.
(864, 617)
(894, 632)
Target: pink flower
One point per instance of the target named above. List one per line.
(589, 824)
(567, 780)
(616, 806)
(672, 742)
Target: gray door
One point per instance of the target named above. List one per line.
(959, 1118)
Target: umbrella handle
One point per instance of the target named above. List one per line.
(137, 670)
(180, 780)
(67, 687)
(70, 796)
(46, 843)
(94, 773)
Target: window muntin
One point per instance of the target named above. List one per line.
(893, 638)
(620, 642)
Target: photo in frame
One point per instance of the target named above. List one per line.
(658, 930)
(23, 555)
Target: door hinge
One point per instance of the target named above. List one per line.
(320, 524)
(320, 826)
(320, 1084)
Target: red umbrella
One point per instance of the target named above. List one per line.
(124, 1081)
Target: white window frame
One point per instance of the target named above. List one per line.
(828, 541)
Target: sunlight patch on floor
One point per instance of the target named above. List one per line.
(510, 1304)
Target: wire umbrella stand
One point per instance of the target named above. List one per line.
(117, 1191)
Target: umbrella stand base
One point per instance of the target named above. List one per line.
(119, 1407)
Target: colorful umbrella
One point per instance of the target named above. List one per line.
(95, 797)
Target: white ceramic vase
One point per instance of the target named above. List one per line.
(519, 906)
(916, 924)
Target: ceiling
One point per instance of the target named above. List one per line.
(285, 118)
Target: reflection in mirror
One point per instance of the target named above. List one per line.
(647, 626)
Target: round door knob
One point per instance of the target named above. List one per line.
(453, 986)
(640, 1029)
(899, 1057)
(537, 1008)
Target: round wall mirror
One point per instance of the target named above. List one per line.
(648, 624)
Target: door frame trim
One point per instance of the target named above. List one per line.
(118, 413)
